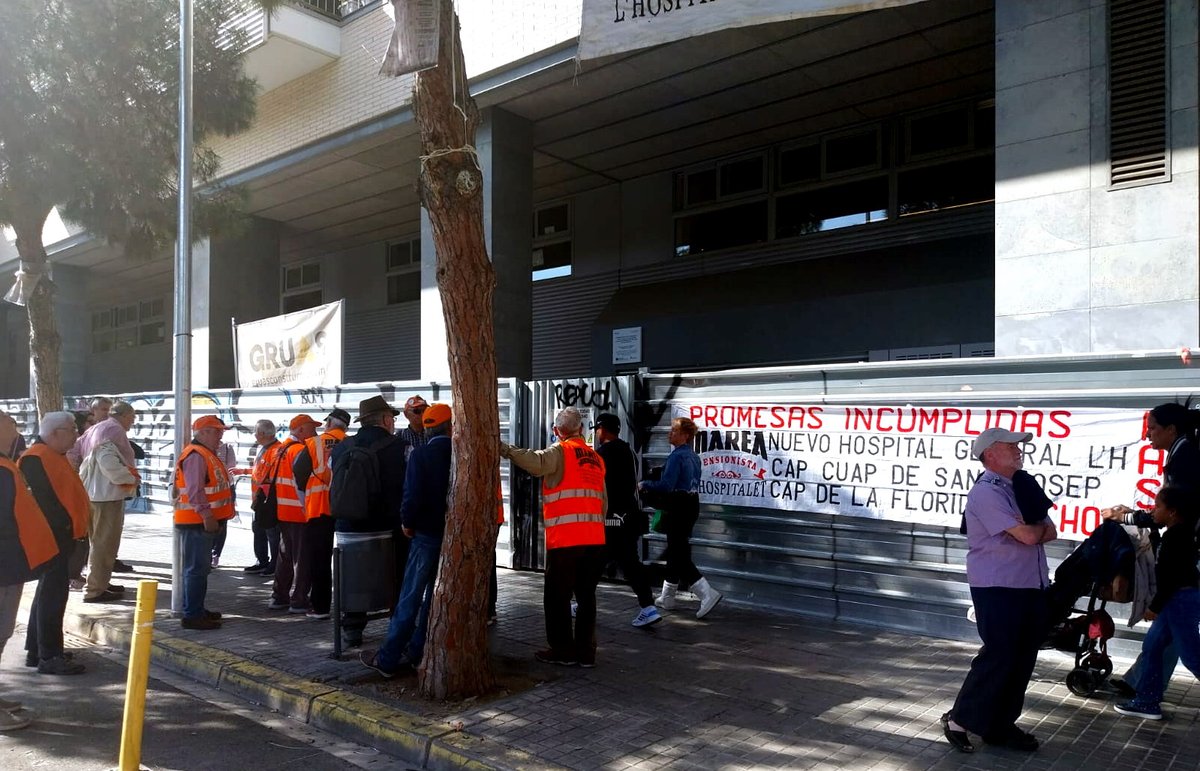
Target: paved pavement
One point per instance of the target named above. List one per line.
(743, 689)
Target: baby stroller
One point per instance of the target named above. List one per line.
(1101, 569)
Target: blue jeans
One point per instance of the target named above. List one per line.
(1178, 623)
(1133, 677)
(406, 632)
(195, 547)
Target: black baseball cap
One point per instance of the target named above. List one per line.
(608, 421)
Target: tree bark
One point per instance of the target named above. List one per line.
(44, 343)
(456, 662)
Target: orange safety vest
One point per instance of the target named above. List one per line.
(66, 484)
(264, 464)
(290, 509)
(574, 510)
(316, 491)
(37, 539)
(217, 488)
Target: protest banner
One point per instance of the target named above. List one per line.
(913, 463)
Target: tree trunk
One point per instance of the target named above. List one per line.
(44, 342)
(456, 661)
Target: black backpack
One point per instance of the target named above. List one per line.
(355, 489)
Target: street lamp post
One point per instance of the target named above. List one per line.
(183, 280)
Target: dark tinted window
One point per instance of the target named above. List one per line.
(721, 229)
(947, 185)
(829, 208)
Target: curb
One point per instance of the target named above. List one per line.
(349, 715)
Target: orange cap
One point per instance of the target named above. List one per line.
(208, 421)
(302, 420)
(436, 414)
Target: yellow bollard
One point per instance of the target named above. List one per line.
(139, 671)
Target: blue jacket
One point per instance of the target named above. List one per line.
(426, 487)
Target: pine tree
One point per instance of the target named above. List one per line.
(89, 124)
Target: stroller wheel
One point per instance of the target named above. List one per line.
(1081, 682)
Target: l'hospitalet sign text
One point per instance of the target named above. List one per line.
(913, 463)
(613, 26)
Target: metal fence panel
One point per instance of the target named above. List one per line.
(242, 408)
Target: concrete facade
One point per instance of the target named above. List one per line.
(1082, 267)
(1057, 263)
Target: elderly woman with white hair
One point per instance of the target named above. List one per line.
(60, 495)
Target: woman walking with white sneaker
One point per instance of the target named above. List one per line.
(676, 493)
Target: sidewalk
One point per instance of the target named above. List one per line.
(740, 690)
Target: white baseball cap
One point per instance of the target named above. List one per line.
(993, 435)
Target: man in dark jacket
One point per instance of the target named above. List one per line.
(625, 521)
(426, 485)
(378, 420)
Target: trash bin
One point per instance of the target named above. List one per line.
(367, 563)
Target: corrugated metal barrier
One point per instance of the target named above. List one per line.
(893, 574)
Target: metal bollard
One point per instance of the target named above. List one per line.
(139, 670)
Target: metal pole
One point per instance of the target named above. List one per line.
(183, 277)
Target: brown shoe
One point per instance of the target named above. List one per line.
(203, 622)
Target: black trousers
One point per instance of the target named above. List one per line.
(1011, 623)
(266, 543)
(621, 547)
(572, 570)
(318, 562)
(44, 638)
(681, 510)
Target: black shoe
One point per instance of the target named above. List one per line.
(351, 642)
(202, 622)
(1015, 739)
(958, 739)
(268, 571)
(116, 589)
(212, 614)
(255, 568)
(60, 666)
(370, 660)
(105, 596)
(122, 567)
(550, 656)
(1123, 688)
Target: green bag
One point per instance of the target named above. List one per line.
(656, 522)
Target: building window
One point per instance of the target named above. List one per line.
(1137, 93)
(552, 241)
(301, 287)
(717, 214)
(129, 326)
(403, 271)
(943, 159)
(830, 208)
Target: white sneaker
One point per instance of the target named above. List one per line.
(649, 615)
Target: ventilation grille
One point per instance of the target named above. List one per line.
(1137, 38)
